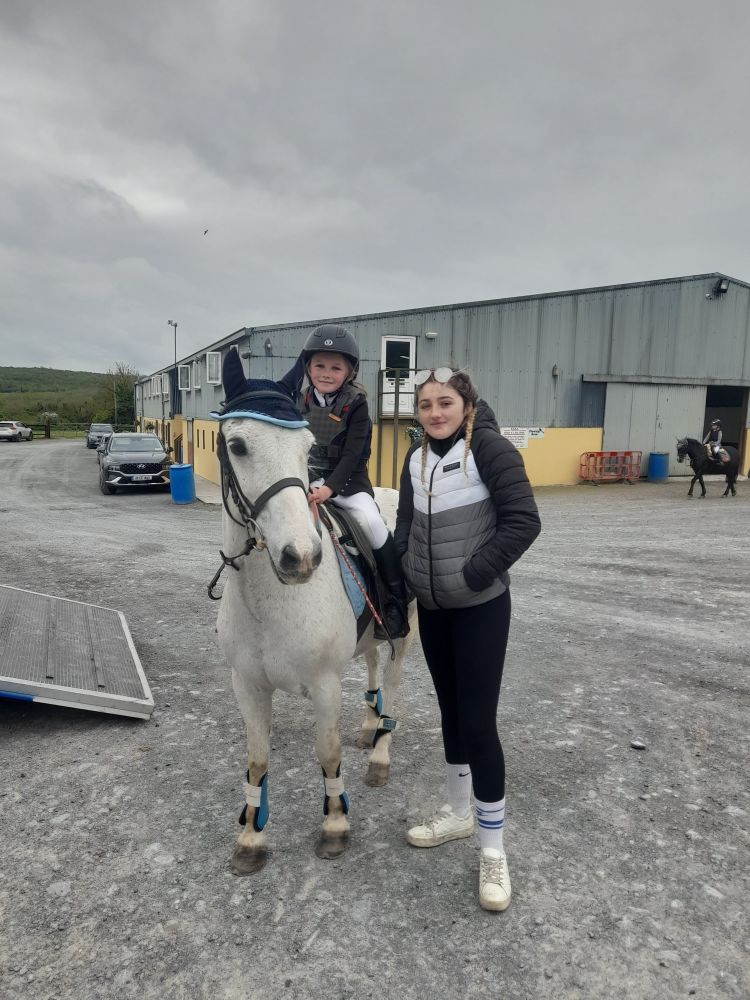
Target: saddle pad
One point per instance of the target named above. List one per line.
(353, 592)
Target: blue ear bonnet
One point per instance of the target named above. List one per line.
(256, 398)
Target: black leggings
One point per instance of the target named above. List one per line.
(465, 651)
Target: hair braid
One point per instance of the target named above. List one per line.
(423, 466)
(469, 431)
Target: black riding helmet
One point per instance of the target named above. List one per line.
(334, 339)
(716, 423)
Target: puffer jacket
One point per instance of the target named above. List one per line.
(458, 543)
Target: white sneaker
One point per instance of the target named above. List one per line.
(445, 825)
(494, 880)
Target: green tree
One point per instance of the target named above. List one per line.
(121, 403)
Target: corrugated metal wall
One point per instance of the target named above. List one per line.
(651, 417)
(659, 329)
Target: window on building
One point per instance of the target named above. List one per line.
(183, 377)
(196, 374)
(213, 367)
(398, 359)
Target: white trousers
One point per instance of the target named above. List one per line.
(364, 504)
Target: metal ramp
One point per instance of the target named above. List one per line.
(63, 652)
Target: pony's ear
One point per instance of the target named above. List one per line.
(232, 375)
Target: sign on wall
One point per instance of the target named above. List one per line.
(518, 436)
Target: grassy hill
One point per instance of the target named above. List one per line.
(77, 397)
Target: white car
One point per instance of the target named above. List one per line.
(14, 430)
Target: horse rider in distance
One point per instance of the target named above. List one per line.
(712, 441)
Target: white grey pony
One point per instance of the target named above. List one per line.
(286, 623)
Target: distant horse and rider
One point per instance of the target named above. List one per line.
(710, 458)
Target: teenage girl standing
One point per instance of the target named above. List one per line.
(466, 514)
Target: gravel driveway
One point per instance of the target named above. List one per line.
(630, 867)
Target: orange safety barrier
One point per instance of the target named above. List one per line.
(596, 466)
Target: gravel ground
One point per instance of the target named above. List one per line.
(630, 867)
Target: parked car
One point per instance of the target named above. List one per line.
(14, 430)
(98, 434)
(133, 460)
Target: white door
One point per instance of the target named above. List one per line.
(398, 357)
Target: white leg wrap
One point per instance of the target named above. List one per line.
(252, 795)
(334, 786)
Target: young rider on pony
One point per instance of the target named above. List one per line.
(335, 406)
(712, 441)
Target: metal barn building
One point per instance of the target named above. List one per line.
(621, 367)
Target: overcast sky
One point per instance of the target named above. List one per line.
(352, 156)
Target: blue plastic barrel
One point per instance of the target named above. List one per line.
(658, 467)
(182, 483)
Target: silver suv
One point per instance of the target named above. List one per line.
(98, 434)
(133, 460)
(14, 430)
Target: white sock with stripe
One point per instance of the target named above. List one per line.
(459, 788)
(491, 821)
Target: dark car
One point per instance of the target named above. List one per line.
(133, 460)
(98, 434)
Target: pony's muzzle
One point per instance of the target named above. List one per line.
(297, 567)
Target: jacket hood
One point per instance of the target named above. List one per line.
(485, 418)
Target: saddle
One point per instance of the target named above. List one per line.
(721, 456)
(356, 562)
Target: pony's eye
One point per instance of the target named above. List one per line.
(237, 446)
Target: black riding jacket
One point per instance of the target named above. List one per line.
(339, 459)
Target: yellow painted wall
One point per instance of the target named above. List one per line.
(550, 461)
(745, 455)
(205, 462)
(554, 460)
(403, 443)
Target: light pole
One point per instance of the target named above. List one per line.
(114, 393)
(173, 323)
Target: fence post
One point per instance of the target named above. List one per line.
(47, 429)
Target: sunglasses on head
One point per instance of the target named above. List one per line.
(441, 375)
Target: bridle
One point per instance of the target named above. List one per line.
(248, 510)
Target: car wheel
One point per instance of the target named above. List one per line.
(105, 487)
(31, 436)
(17, 437)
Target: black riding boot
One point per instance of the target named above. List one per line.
(394, 613)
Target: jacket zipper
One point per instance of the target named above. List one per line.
(429, 529)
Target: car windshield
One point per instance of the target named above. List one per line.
(100, 427)
(135, 444)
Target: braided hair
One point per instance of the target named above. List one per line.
(462, 384)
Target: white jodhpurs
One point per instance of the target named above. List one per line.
(365, 505)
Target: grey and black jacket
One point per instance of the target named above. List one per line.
(459, 536)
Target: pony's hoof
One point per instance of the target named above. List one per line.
(377, 774)
(332, 845)
(364, 740)
(248, 860)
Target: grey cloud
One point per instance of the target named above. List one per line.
(351, 157)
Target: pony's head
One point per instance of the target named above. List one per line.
(682, 449)
(263, 448)
(257, 458)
